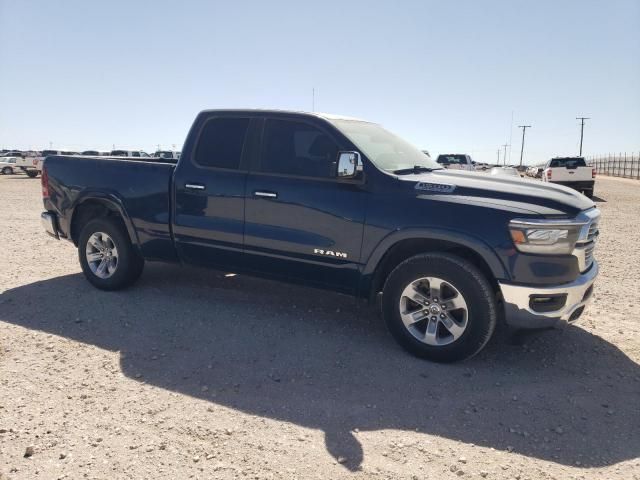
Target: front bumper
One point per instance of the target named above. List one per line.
(49, 222)
(522, 311)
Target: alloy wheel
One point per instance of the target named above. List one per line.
(102, 255)
(433, 311)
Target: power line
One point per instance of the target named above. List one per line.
(582, 119)
(524, 129)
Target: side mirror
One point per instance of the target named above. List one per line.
(348, 164)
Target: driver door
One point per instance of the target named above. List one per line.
(300, 220)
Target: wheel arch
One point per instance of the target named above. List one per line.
(96, 205)
(402, 245)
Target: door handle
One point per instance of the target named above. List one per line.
(194, 186)
(259, 193)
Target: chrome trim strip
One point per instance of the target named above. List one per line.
(265, 194)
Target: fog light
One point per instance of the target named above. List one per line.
(547, 303)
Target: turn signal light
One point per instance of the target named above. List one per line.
(518, 237)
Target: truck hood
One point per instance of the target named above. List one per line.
(515, 194)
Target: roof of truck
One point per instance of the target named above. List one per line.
(326, 116)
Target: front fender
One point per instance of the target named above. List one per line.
(471, 242)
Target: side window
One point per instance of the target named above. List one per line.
(135, 154)
(297, 148)
(221, 141)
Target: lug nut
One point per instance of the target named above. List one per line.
(435, 300)
(434, 318)
(442, 315)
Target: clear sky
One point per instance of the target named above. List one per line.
(446, 75)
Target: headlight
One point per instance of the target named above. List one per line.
(554, 237)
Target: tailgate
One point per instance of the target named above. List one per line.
(564, 174)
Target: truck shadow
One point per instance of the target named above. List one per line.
(321, 361)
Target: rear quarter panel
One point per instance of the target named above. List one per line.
(140, 189)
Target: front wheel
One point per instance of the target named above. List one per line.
(439, 307)
(7, 171)
(108, 259)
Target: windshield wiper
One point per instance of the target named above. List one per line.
(415, 169)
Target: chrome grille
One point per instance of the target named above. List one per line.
(593, 231)
(587, 243)
(588, 254)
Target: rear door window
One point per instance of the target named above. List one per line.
(221, 142)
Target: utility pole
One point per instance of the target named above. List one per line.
(524, 129)
(498, 157)
(582, 119)
(510, 136)
(313, 99)
(504, 158)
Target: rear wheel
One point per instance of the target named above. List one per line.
(588, 193)
(439, 307)
(31, 173)
(108, 259)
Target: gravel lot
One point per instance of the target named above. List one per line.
(191, 374)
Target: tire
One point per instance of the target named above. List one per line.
(472, 326)
(117, 273)
(7, 171)
(588, 193)
(31, 173)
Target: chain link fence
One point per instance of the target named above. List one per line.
(625, 165)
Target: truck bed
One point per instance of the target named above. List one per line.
(141, 188)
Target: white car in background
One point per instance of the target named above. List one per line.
(456, 161)
(129, 154)
(31, 162)
(8, 165)
(95, 153)
(571, 172)
(167, 154)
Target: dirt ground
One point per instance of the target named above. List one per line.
(194, 374)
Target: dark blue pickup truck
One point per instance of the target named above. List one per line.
(341, 204)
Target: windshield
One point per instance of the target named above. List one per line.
(382, 147)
